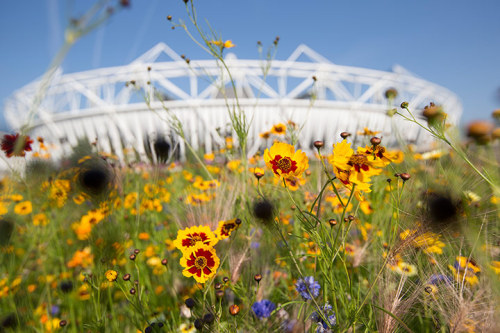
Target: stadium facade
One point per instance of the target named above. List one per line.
(323, 98)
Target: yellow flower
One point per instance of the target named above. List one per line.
(352, 168)
(228, 44)
(225, 228)
(200, 262)
(111, 275)
(429, 242)
(40, 219)
(23, 208)
(285, 161)
(404, 268)
(190, 237)
(279, 129)
(367, 132)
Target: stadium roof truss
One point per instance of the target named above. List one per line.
(323, 97)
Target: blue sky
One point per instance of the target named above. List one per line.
(454, 43)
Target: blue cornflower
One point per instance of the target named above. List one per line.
(307, 287)
(322, 325)
(263, 308)
(435, 279)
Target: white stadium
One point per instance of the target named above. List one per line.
(323, 98)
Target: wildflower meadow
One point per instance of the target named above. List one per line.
(357, 237)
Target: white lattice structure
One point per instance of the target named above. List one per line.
(99, 104)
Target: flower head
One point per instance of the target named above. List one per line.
(23, 208)
(285, 161)
(307, 287)
(263, 309)
(111, 275)
(350, 167)
(323, 326)
(189, 237)
(15, 144)
(278, 129)
(200, 261)
(225, 228)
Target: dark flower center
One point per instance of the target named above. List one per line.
(200, 262)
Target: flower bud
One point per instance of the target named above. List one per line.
(405, 176)
(391, 93)
(234, 309)
(332, 222)
(404, 105)
(257, 277)
(344, 135)
(318, 144)
(375, 141)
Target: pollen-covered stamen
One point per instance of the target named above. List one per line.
(359, 162)
(195, 239)
(200, 262)
(284, 164)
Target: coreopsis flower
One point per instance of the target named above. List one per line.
(382, 157)
(200, 262)
(15, 144)
(228, 44)
(40, 219)
(367, 132)
(23, 208)
(466, 270)
(429, 242)
(351, 168)
(190, 237)
(83, 258)
(225, 228)
(111, 275)
(285, 161)
(404, 268)
(278, 129)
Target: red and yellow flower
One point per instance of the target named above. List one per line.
(200, 262)
(225, 228)
(285, 161)
(15, 144)
(351, 168)
(190, 237)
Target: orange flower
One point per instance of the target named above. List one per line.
(200, 262)
(285, 161)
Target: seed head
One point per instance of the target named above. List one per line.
(332, 222)
(63, 323)
(132, 291)
(126, 277)
(132, 257)
(208, 318)
(225, 279)
(164, 262)
(218, 285)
